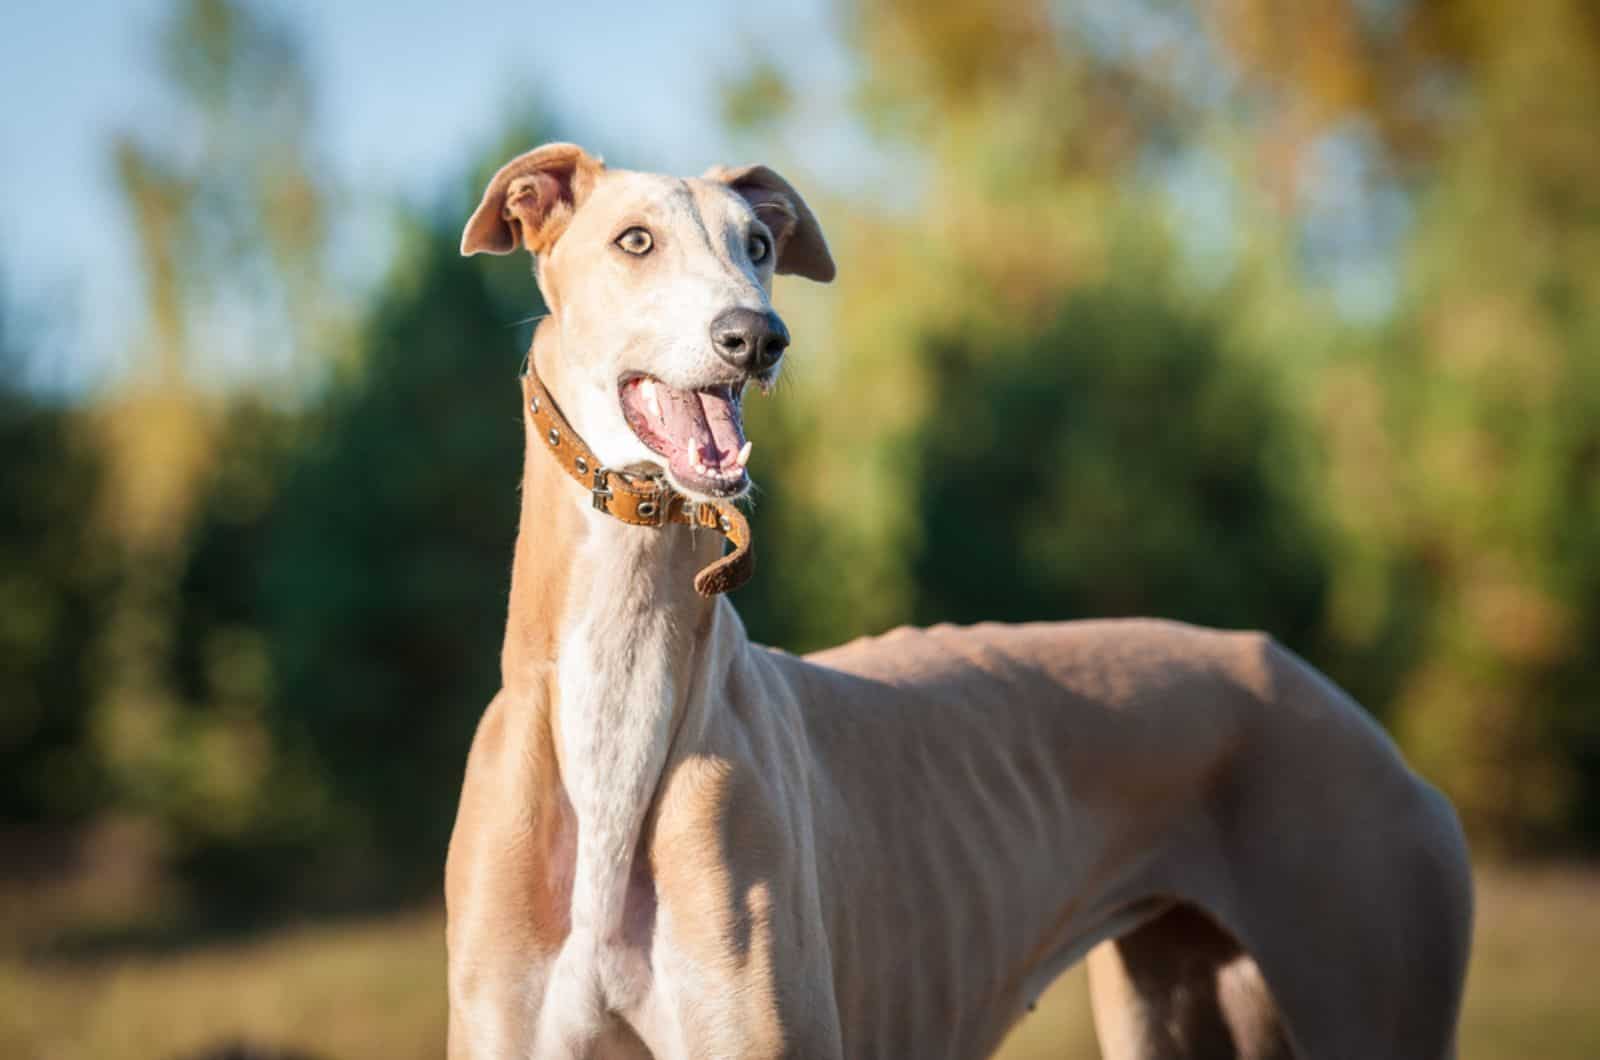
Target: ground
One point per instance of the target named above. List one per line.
(374, 988)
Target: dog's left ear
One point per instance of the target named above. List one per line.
(801, 248)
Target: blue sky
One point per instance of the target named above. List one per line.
(407, 91)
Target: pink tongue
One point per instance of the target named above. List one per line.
(727, 433)
(703, 423)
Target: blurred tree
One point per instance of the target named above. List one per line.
(1416, 70)
(384, 580)
(1121, 460)
(341, 604)
(337, 604)
(51, 584)
(1467, 436)
(230, 227)
(1463, 432)
(755, 99)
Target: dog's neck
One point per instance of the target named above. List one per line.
(570, 558)
(606, 631)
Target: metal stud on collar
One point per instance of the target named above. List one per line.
(554, 436)
(582, 465)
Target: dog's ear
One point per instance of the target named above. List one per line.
(801, 248)
(530, 201)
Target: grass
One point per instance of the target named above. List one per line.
(375, 988)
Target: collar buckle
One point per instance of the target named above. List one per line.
(601, 490)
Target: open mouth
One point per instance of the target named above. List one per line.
(699, 432)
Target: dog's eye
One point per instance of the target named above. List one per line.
(635, 241)
(758, 248)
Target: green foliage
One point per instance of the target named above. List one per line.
(1118, 461)
(1467, 450)
(51, 582)
(758, 99)
(384, 583)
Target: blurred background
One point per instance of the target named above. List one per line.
(1233, 311)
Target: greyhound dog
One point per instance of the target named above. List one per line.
(672, 842)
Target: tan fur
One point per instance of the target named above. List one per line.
(890, 848)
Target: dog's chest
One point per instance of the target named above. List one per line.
(616, 698)
(618, 687)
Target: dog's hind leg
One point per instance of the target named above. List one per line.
(1181, 987)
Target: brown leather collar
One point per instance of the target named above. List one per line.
(640, 500)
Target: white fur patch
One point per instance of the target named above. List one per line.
(618, 694)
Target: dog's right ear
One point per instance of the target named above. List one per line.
(530, 201)
(801, 248)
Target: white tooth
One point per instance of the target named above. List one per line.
(649, 388)
(744, 454)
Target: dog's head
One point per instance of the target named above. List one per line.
(660, 290)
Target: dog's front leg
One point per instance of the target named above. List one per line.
(742, 966)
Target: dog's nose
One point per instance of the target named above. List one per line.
(749, 339)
